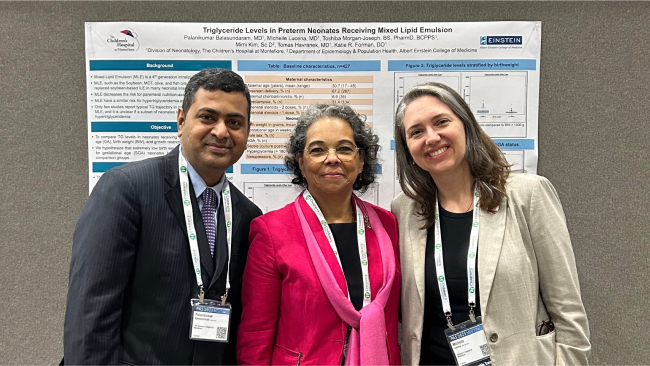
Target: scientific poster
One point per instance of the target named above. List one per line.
(136, 75)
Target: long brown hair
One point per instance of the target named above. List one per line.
(488, 165)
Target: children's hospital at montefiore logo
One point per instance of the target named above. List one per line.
(125, 40)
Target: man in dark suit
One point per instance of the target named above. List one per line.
(132, 275)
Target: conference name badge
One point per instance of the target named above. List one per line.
(210, 321)
(468, 344)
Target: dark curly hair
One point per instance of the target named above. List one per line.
(364, 138)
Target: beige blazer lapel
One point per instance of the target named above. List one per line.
(491, 233)
(418, 240)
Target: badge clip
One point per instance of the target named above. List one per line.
(472, 317)
(224, 297)
(201, 294)
(449, 323)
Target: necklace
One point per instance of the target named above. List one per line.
(471, 204)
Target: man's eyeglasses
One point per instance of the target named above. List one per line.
(345, 153)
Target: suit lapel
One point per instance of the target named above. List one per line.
(418, 240)
(175, 201)
(236, 221)
(491, 234)
(173, 191)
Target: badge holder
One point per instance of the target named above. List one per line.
(210, 320)
(468, 343)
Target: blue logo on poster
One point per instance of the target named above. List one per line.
(488, 40)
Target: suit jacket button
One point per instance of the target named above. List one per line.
(212, 293)
(494, 337)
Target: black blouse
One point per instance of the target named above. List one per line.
(455, 231)
(345, 236)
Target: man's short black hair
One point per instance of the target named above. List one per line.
(214, 80)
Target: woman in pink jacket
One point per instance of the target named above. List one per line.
(322, 281)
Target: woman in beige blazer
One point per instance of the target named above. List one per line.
(528, 291)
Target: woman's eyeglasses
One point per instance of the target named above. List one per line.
(345, 153)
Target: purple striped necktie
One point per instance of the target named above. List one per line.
(207, 213)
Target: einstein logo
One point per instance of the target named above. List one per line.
(126, 40)
(501, 40)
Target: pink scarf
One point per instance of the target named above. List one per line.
(367, 344)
